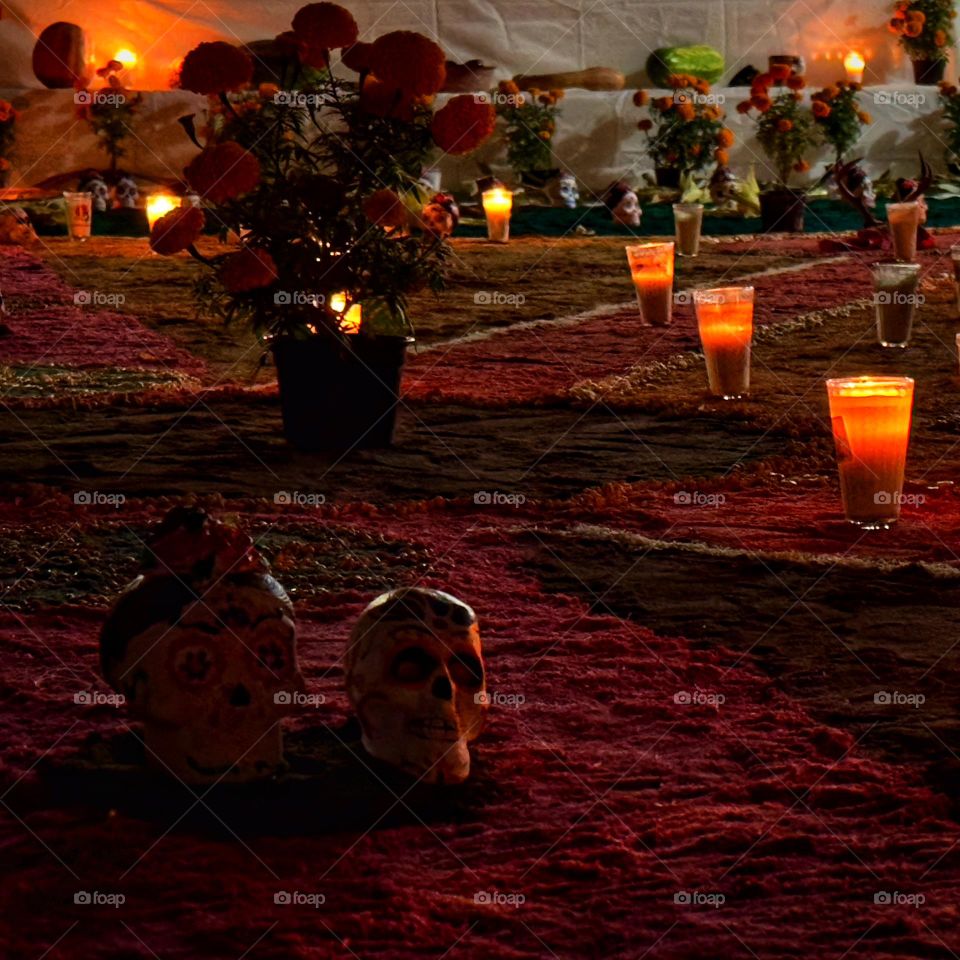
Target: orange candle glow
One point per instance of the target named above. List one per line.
(725, 321)
(871, 429)
(497, 205)
(350, 319)
(854, 63)
(159, 204)
(651, 266)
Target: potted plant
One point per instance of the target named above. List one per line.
(925, 31)
(950, 104)
(838, 116)
(685, 131)
(529, 120)
(786, 132)
(320, 182)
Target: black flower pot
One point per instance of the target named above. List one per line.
(667, 177)
(338, 396)
(782, 210)
(928, 72)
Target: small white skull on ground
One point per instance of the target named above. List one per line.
(126, 196)
(628, 211)
(203, 647)
(415, 676)
(563, 191)
(99, 191)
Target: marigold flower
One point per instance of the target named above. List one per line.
(508, 88)
(324, 26)
(780, 71)
(796, 82)
(268, 91)
(722, 158)
(784, 125)
(918, 15)
(248, 269)
(463, 124)
(663, 104)
(385, 209)
(896, 25)
(558, 95)
(641, 98)
(686, 110)
(913, 29)
(761, 102)
(820, 109)
(177, 230)
(410, 62)
(864, 117)
(940, 38)
(725, 138)
(645, 125)
(382, 100)
(762, 80)
(544, 134)
(744, 106)
(223, 172)
(801, 166)
(215, 67)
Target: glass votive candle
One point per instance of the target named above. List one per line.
(895, 299)
(651, 266)
(497, 204)
(871, 429)
(955, 257)
(904, 220)
(159, 205)
(687, 222)
(79, 214)
(725, 321)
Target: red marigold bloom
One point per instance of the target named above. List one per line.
(223, 172)
(248, 269)
(641, 98)
(796, 82)
(645, 125)
(215, 67)
(382, 100)
(177, 230)
(744, 106)
(725, 138)
(325, 25)
(761, 102)
(386, 209)
(820, 109)
(357, 56)
(463, 124)
(780, 71)
(409, 61)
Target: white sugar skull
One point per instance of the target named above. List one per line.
(628, 211)
(440, 216)
(202, 645)
(563, 191)
(126, 196)
(415, 676)
(100, 191)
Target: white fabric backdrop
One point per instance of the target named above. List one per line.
(519, 36)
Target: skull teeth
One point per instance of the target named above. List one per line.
(433, 727)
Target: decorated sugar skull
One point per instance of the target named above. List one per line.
(563, 191)
(623, 204)
(202, 645)
(440, 216)
(125, 194)
(97, 187)
(415, 676)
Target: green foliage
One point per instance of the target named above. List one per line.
(529, 122)
(842, 125)
(925, 28)
(786, 132)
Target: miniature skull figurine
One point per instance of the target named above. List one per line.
(202, 645)
(440, 216)
(101, 192)
(415, 676)
(563, 191)
(623, 204)
(125, 194)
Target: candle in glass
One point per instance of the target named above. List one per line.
(158, 205)
(651, 266)
(904, 220)
(79, 214)
(895, 298)
(854, 63)
(497, 204)
(350, 319)
(725, 321)
(688, 220)
(871, 430)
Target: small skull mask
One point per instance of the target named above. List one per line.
(415, 676)
(203, 647)
(563, 191)
(125, 194)
(100, 192)
(628, 211)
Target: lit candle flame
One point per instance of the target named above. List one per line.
(350, 319)
(127, 57)
(854, 63)
(158, 205)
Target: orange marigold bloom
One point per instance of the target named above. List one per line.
(896, 25)
(801, 166)
(780, 71)
(725, 138)
(641, 98)
(762, 102)
(796, 82)
(223, 172)
(917, 15)
(177, 230)
(382, 100)
(744, 106)
(248, 269)
(686, 110)
(762, 80)
(913, 29)
(722, 158)
(645, 125)
(325, 25)
(784, 125)
(820, 109)
(356, 57)
(663, 104)
(215, 67)
(864, 117)
(463, 124)
(386, 209)
(508, 87)
(558, 95)
(410, 62)
(940, 38)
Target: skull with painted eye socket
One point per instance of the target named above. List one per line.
(415, 676)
